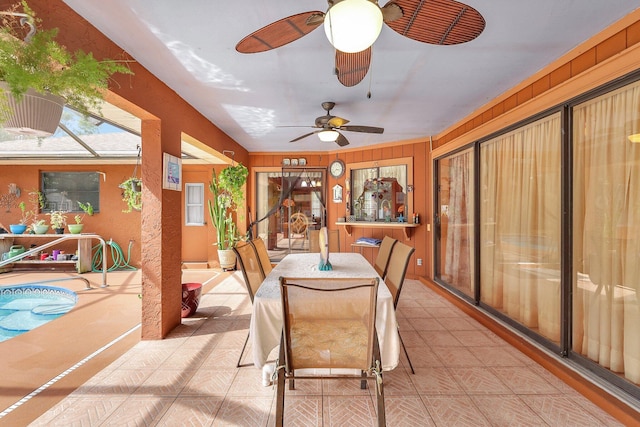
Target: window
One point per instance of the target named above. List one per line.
(63, 190)
(194, 204)
(379, 193)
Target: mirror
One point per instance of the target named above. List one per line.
(379, 193)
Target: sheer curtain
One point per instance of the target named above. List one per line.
(520, 225)
(606, 273)
(458, 263)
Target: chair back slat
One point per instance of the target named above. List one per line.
(334, 241)
(384, 252)
(314, 241)
(329, 323)
(250, 266)
(397, 269)
(263, 255)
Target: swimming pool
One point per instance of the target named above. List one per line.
(25, 307)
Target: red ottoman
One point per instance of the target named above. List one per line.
(190, 298)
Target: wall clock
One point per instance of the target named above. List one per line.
(336, 168)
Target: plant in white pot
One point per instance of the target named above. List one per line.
(227, 195)
(37, 72)
(38, 226)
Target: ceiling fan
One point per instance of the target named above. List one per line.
(439, 22)
(328, 127)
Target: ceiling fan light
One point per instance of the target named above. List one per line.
(328, 135)
(353, 25)
(635, 137)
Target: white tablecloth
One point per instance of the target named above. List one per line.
(266, 320)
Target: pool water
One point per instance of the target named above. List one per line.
(23, 308)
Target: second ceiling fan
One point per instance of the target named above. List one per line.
(328, 127)
(439, 22)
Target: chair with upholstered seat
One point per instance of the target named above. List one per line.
(253, 275)
(394, 279)
(329, 324)
(384, 252)
(263, 255)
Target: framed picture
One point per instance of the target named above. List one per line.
(171, 172)
(302, 161)
(294, 162)
(337, 193)
(286, 162)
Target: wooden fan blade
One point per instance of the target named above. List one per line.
(341, 140)
(337, 122)
(280, 32)
(440, 22)
(364, 129)
(351, 68)
(304, 136)
(391, 11)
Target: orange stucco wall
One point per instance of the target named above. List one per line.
(110, 222)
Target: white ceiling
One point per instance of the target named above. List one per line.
(417, 89)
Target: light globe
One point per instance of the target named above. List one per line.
(328, 135)
(353, 25)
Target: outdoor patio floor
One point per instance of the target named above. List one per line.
(465, 374)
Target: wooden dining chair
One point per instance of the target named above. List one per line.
(253, 275)
(263, 255)
(314, 241)
(384, 252)
(328, 324)
(334, 241)
(394, 279)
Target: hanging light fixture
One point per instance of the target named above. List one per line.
(353, 25)
(328, 135)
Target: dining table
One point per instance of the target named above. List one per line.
(267, 318)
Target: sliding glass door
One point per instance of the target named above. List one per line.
(520, 234)
(454, 222)
(606, 231)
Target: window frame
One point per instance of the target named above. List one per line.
(69, 206)
(188, 204)
(399, 161)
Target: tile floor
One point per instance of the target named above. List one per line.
(465, 376)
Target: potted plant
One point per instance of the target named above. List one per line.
(33, 65)
(58, 220)
(227, 195)
(38, 226)
(77, 227)
(21, 227)
(132, 194)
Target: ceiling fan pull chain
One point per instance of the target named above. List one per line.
(370, 76)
